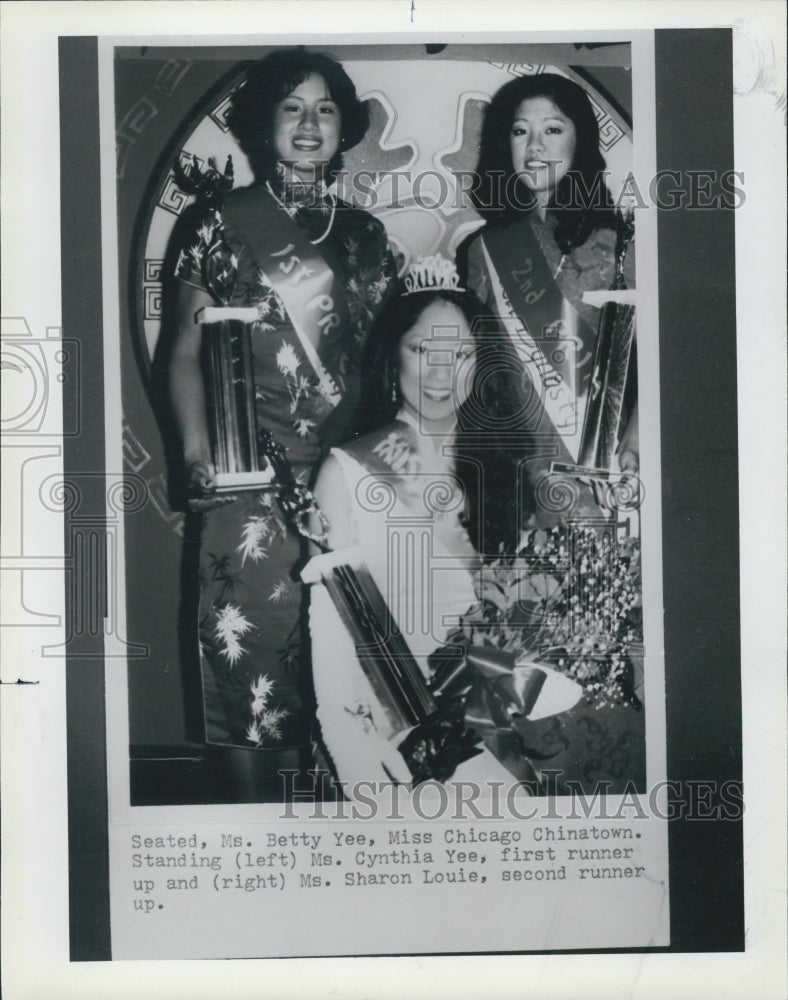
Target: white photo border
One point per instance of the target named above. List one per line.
(41, 955)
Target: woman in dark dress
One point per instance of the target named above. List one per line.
(550, 239)
(551, 242)
(317, 272)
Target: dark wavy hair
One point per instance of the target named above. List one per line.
(269, 81)
(486, 463)
(581, 202)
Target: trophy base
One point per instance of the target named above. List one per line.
(234, 482)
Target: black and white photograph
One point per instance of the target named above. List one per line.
(491, 488)
(386, 495)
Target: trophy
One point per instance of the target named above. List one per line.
(229, 382)
(385, 657)
(239, 452)
(615, 333)
(611, 359)
(430, 732)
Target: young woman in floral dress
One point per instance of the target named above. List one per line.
(317, 271)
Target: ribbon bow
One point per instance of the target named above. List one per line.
(500, 696)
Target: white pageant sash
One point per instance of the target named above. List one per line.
(558, 397)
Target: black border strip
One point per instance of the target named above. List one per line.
(83, 462)
(700, 507)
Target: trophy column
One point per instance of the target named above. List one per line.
(229, 383)
(611, 363)
(603, 408)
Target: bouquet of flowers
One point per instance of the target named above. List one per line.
(569, 599)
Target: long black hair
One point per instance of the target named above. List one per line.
(269, 81)
(581, 202)
(487, 461)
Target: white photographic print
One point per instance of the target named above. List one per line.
(435, 365)
(381, 428)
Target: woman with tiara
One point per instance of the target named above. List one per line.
(552, 236)
(317, 271)
(419, 493)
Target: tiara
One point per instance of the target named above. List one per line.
(430, 274)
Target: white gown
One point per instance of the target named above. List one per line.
(408, 529)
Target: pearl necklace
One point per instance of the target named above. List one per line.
(282, 205)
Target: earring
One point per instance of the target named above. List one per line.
(394, 394)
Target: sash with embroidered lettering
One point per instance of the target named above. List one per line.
(310, 290)
(550, 337)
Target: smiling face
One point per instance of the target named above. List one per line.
(436, 364)
(543, 141)
(307, 128)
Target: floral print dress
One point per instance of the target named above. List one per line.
(256, 684)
